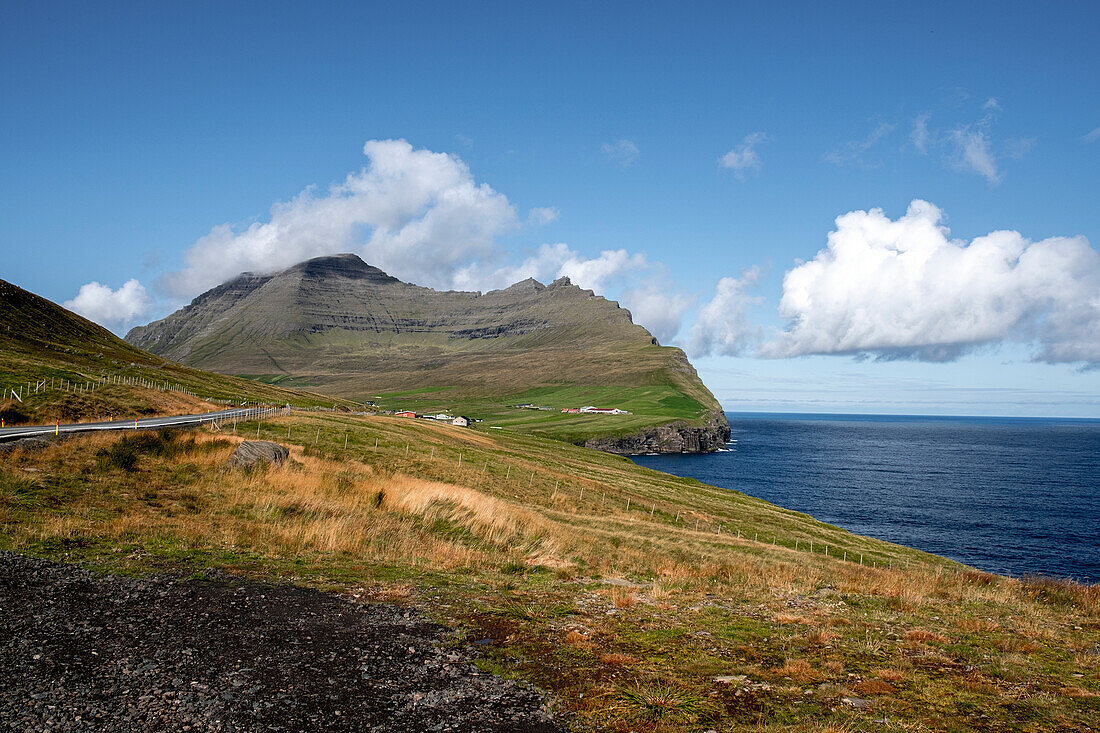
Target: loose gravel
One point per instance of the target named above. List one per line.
(79, 652)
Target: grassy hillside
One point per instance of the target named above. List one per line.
(339, 326)
(66, 358)
(646, 602)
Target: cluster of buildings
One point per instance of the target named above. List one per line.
(595, 410)
(459, 420)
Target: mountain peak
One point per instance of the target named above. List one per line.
(347, 265)
(530, 285)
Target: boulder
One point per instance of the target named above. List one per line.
(252, 452)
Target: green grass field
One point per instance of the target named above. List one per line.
(648, 406)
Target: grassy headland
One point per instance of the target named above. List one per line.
(645, 601)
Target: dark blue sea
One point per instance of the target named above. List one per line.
(1015, 496)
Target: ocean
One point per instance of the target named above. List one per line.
(1015, 496)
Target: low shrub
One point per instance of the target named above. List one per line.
(13, 415)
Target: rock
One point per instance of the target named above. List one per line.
(252, 452)
(727, 679)
(32, 445)
(857, 702)
(677, 437)
(185, 643)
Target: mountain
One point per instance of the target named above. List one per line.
(340, 325)
(40, 340)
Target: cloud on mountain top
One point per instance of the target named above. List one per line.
(904, 289)
(415, 213)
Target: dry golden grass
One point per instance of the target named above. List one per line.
(624, 597)
(821, 637)
(873, 687)
(923, 635)
(578, 640)
(978, 625)
(890, 675)
(799, 670)
(1017, 645)
(617, 659)
(394, 593)
(790, 618)
(661, 592)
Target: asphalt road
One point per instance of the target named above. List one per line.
(248, 413)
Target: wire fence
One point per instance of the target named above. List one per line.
(567, 493)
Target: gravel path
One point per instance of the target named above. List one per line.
(114, 654)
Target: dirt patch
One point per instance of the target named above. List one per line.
(222, 654)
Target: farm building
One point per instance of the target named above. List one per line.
(462, 422)
(407, 413)
(604, 410)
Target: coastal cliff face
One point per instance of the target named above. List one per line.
(675, 437)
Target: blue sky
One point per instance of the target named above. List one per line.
(130, 132)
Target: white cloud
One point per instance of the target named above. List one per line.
(722, 326)
(854, 150)
(1093, 136)
(744, 156)
(904, 289)
(621, 152)
(971, 147)
(1018, 147)
(416, 214)
(543, 215)
(972, 153)
(596, 273)
(551, 261)
(920, 136)
(115, 309)
(641, 286)
(657, 307)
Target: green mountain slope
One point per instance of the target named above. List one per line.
(338, 324)
(45, 345)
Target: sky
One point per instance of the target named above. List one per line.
(846, 207)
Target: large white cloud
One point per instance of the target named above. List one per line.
(722, 325)
(904, 289)
(417, 214)
(115, 309)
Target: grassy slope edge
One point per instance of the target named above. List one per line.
(40, 340)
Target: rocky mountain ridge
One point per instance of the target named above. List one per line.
(340, 325)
